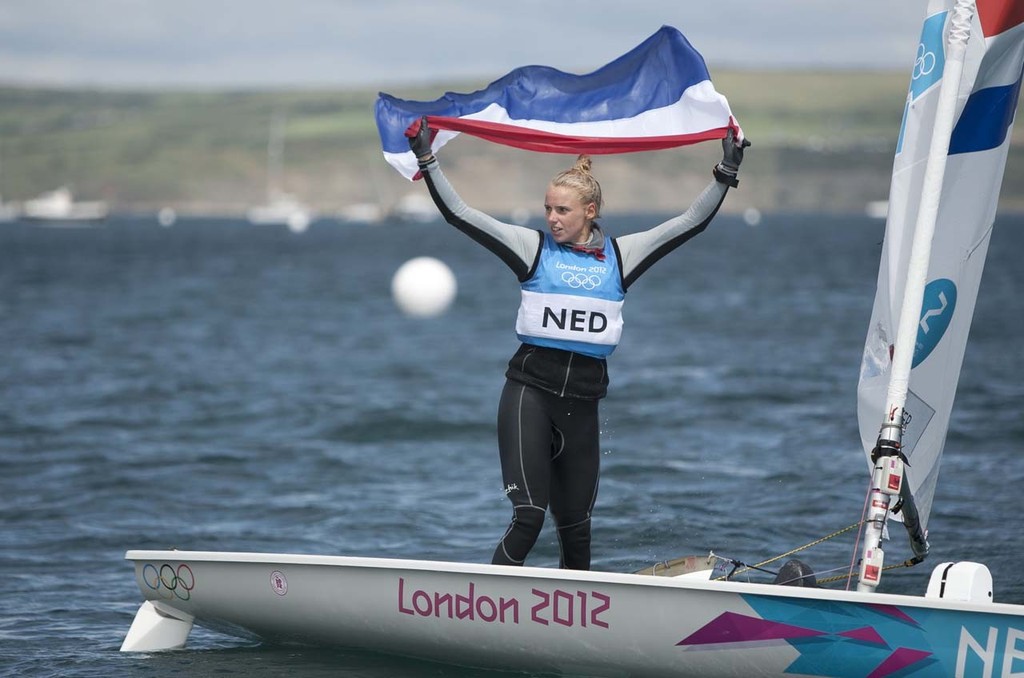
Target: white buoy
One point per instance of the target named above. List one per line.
(298, 222)
(166, 217)
(423, 287)
(752, 216)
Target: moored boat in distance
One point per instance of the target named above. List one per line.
(58, 207)
(8, 211)
(877, 209)
(415, 208)
(282, 209)
(361, 213)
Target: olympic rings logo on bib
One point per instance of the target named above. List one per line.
(578, 280)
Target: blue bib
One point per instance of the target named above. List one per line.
(572, 301)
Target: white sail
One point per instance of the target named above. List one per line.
(281, 208)
(978, 146)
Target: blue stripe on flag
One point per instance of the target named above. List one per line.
(985, 119)
(653, 75)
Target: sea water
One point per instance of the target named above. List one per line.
(219, 386)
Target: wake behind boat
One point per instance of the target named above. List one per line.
(949, 163)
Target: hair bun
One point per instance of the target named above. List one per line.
(583, 164)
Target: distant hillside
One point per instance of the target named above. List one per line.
(822, 141)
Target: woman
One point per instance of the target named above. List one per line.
(573, 280)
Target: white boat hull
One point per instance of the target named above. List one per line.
(80, 213)
(59, 207)
(284, 211)
(8, 213)
(594, 623)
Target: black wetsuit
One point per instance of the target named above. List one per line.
(548, 425)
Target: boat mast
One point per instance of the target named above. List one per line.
(275, 155)
(888, 456)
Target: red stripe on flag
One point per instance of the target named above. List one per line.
(548, 142)
(997, 16)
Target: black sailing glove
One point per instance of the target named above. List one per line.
(732, 155)
(420, 143)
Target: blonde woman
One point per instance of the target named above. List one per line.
(573, 280)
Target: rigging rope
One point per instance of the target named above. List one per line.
(740, 567)
(758, 566)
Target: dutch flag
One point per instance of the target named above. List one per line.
(658, 95)
(989, 111)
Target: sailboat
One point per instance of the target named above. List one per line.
(8, 211)
(58, 207)
(675, 618)
(281, 208)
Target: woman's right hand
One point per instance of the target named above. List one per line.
(732, 156)
(732, 151)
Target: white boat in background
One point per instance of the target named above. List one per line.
(361, 213)
(281, 208)
(9, 212)
(415, 208)
(877, 209)
(59, 207)
(684, 623)
(520, 216)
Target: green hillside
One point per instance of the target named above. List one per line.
(821, 140)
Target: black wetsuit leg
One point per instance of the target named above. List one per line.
(575, 471)
(550, 455)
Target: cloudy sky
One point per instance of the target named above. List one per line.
(371, 43)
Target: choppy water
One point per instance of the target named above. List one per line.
(217, 386)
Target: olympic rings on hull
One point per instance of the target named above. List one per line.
(168, 581)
